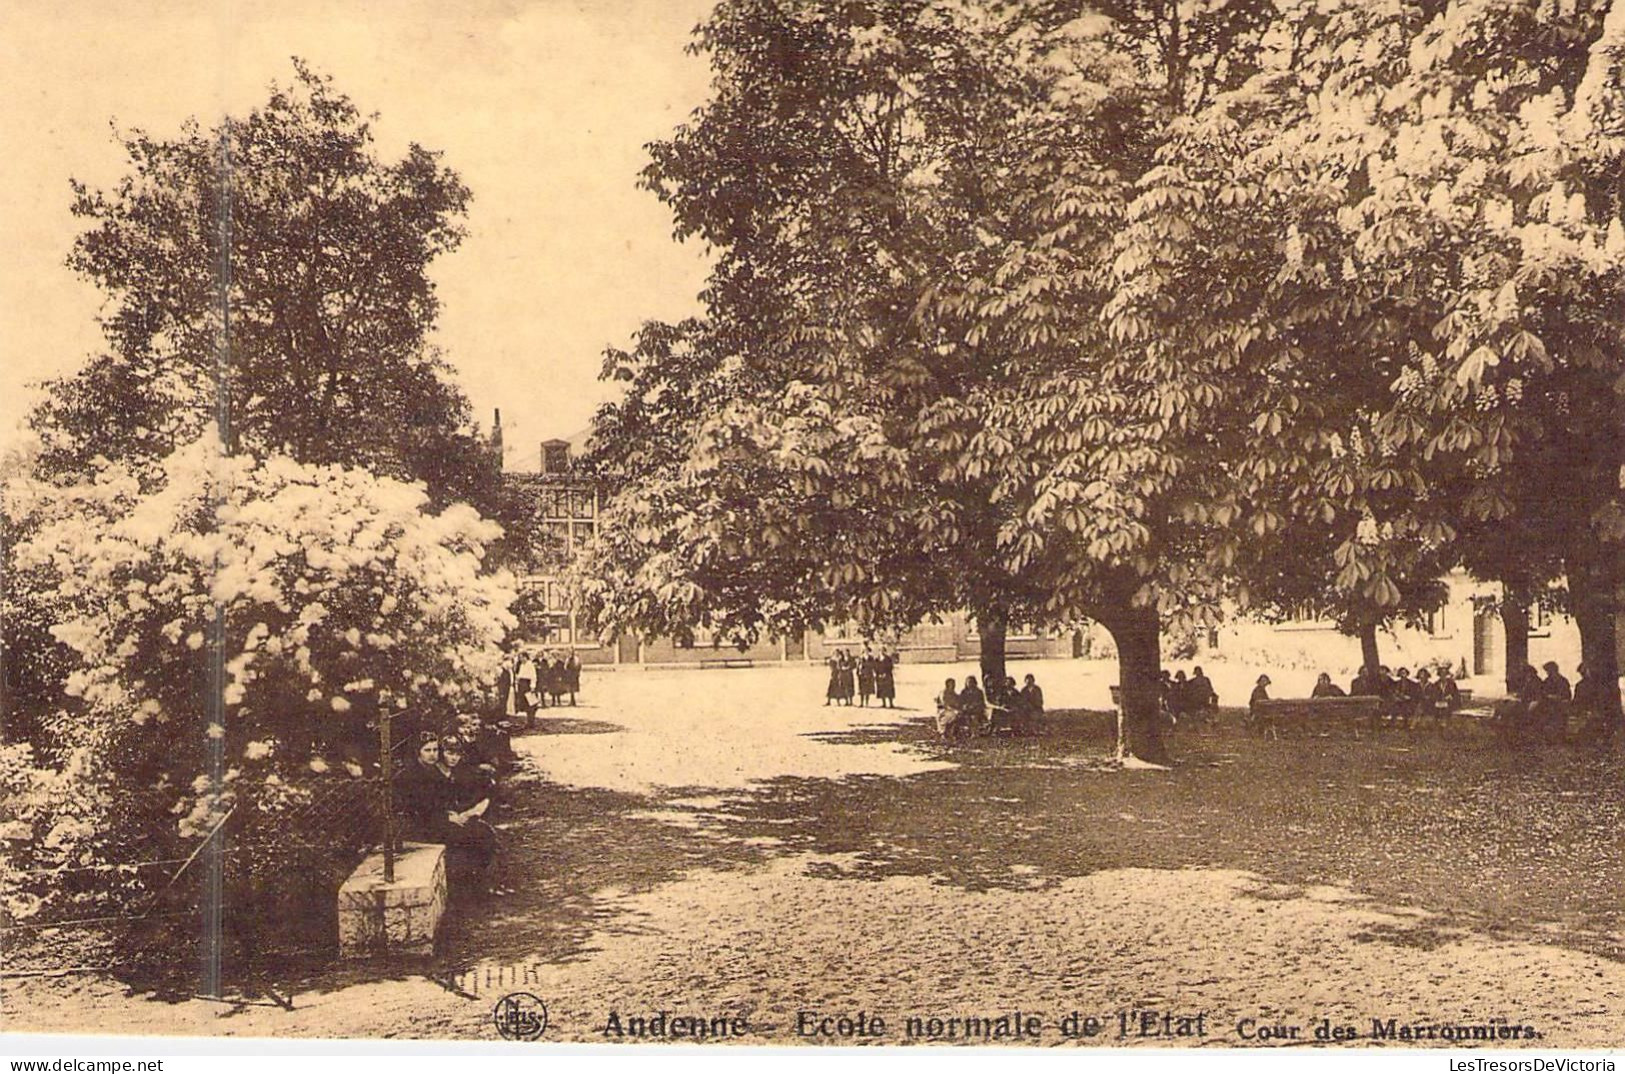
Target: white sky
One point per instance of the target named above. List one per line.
(543, 107)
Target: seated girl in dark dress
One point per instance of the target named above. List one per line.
(431, 801)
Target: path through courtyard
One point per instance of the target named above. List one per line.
(722, 844)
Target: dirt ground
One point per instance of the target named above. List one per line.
(720, 845)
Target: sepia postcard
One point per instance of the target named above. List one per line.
(1083, 523)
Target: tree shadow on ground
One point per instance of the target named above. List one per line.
(570, 857)
(1521, 845)
(575, 725)
(1513, 845)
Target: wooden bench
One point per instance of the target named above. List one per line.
(1354, 712)
(1444, 716)
(1515, 724)
(1303, 713)
(1207, 715)
(727, 662)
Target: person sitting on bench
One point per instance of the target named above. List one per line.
(1325, 687)
(1449, 692)
(1429, 695)
(1554, 686)
(1522, 716)
(1402, 698)
(950, 720)
(1032, 705)
(430, 798)
(1199, 693)
(1179, 697)
(1557, 700)
(1261, 693)
(1594, 706)
(1004, 705)
(973, 706)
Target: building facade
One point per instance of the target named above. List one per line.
(1466, 632)
(565, 508)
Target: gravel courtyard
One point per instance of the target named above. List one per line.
(721, 845)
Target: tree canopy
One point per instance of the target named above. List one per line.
(1432, 292)
(1122, 311)
(903, 396)
(270, 275)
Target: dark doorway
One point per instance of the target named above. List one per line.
(1483, 639)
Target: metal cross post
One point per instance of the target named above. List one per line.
(386, 767)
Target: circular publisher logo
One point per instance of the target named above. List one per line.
(520, 1016)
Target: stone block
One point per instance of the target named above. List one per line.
(400, 917)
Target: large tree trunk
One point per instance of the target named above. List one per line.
(1515, 624)
(1369, 656)
(992, 623)
(1593, 580)
(1599, 651)
(1138, 634)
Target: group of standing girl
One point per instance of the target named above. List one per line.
(529, 681)
(871, 675)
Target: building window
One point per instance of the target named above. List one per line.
(556, 630)
(555, 458)
(1012, 632)
(554, 503)
(847, 633)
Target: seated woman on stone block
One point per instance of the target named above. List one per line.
(428, 796)
(473, 784)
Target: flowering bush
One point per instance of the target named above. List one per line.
(232, 635)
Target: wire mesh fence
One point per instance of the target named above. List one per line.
(253, 893)
(260, 874)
